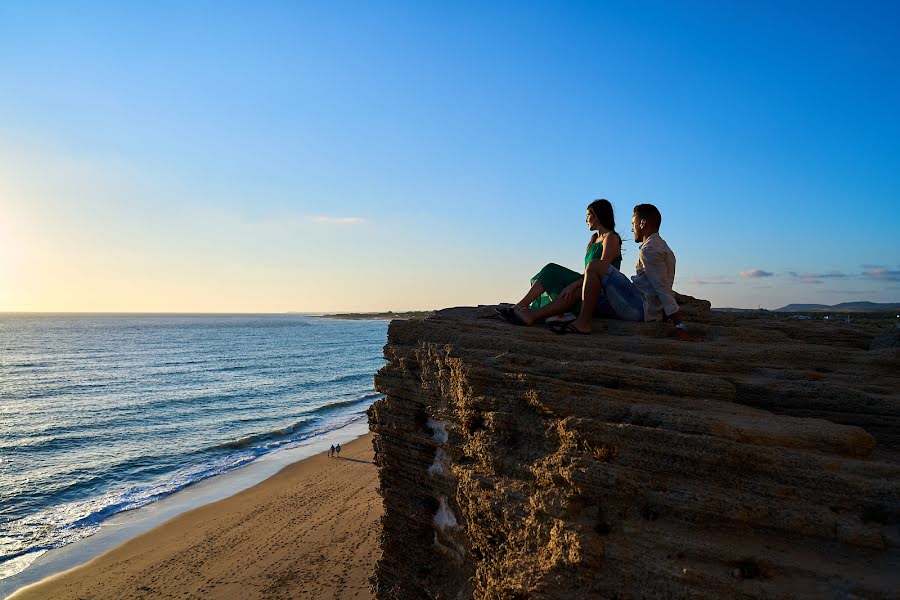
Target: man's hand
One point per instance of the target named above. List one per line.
(573, 290)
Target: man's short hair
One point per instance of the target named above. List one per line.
(649, 213)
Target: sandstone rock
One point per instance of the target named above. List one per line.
(515, 463)
(889, 338)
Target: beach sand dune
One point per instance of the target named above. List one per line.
(311, 531)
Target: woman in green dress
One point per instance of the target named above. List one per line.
(556, 289)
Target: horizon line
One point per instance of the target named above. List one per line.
(147, 312)
(326, 312)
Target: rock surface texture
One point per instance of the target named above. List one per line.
(516, 463)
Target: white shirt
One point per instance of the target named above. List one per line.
(655, 276)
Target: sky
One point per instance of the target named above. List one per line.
(313, 156)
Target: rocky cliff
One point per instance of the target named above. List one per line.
(515, 463)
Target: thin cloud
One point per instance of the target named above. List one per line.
(805, 277)
(337, 220)
(880, 273)
(290, 220)
(816, 277)
(755, 273)
(712, 280)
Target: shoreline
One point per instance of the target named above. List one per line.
(122, 529)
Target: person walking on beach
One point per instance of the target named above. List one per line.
(338, 450)
(331, 452)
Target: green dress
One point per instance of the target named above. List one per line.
(556, 278)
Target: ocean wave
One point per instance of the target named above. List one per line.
(249, 440)
(333, 406)
(196, 401)
(72, 521)
(18, 563)
(32, 364)
(178, 363)
(38, 433)
(49, 443)
(342, 378)
(280, 433)
(242, 367)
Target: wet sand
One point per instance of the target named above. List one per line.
(310, 531)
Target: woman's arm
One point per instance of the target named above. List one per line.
(612, 247)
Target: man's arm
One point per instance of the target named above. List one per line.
(658, 275)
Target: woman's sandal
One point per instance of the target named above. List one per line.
(509, 315)
(568, 328)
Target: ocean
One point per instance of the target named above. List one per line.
(102, 414)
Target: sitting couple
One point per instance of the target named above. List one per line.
(603, 290)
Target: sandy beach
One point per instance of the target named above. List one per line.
(310, 531)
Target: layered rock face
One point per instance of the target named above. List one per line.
(516, 463)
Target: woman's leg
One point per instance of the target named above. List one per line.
(563, 302)
(622, 296)
(536, 290)
(555, 281)
(590, 295)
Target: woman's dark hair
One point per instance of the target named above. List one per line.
(603, 210)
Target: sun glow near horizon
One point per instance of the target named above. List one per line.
(300, 159)
(72, 244)
(120, 252)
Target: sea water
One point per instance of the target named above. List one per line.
(101, 414)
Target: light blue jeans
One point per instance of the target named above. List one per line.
(619, 298)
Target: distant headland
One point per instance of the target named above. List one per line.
(843, 307)
(870, 309)
(381, 316)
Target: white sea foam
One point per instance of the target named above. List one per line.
(19, 563)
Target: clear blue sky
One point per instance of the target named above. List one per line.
(315, 156)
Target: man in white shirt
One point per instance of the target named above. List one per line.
(656, 270)
(655, 266)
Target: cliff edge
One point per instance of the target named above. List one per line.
(516, 463)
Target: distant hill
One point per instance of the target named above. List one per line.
(803, 307)
(842, 307)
